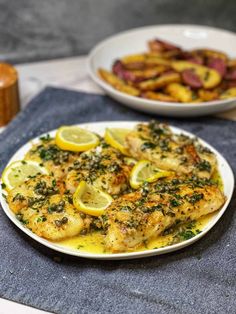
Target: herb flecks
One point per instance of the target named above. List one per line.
(194, 198)
(148, 145)
(204, 165)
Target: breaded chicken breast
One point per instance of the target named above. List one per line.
(43, 206)
(137, 217)
(157, 143)
(103, 166)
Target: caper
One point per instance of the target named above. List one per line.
(59, 208)
(58, 223)
(82, 215)
(19, 216)
(64, 220)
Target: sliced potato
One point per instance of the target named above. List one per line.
(158, 96)
(128, 90)
(154, 61)
(151, 72)
(164, 54)
(110, 78)
(160, 82)
(153, 54)
(231, 63)
(117, 83)
(207, 95)
(211, 53)
(133, 58)
(229, 93)
(179, 92)
(209, 77)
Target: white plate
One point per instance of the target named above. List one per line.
(135, 41)
(99, 127)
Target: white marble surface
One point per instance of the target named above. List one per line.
(68, 73)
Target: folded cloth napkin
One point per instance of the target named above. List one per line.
(197, 279)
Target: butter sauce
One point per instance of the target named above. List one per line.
(94, 241)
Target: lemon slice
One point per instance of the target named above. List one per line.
(20, 171)
(116, 138)
(91, 200)
(75, 139)
(144, 170)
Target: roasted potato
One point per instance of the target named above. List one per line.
(179, 92)
(158, 96)
(128, 90)
(118, 83)
(207, 95)
(231, 63)
(133, 59)
(158, 45)
(154, 61)
(165, 72)
(210, 78)
(210, 53)
(133, 62)
(159, 82)
(110, 78)
(229, 93)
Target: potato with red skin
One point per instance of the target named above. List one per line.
(231, 83)
(231, 63)
(231, 74)
(159, 82)
(210, 78)
(204, 74)
(217, 64)
(191, 79)
(110, 78)
(158, 45)
(136, 76)
(117, 83)
(133, 62)
(119, 70)
(210, 53)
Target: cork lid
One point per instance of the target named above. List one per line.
(8, 75)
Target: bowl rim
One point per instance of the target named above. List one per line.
(111, 90)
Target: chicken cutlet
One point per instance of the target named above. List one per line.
(143, 215)
(43, 206)
(103, 166)
(54, 159)
(180, 153)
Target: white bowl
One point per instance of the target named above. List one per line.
(99, 127)
(135, 41)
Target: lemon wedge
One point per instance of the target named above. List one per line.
(143, 171)
(20, 171)
(75, 139)
(91, 200)
(116, 138)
